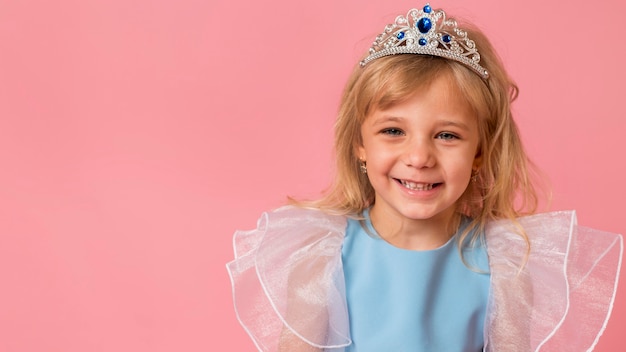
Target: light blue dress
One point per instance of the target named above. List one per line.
(403, 300)
(399, 300)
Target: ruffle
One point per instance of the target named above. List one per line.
(289, 289)
(562, 298)
(288, 283)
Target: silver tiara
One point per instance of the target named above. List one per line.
(427, 32)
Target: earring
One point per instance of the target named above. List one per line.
(363, 167)
(474, 177)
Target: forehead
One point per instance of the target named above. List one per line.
(441, 92)
(399, 85)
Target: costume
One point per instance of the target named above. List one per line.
(560, 300)
(413, 301)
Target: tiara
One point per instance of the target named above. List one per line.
(427, 32)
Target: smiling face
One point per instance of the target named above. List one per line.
(420, 153)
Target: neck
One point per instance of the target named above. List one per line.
(415, 234)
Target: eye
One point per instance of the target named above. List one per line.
(447, 136)
(392, 131)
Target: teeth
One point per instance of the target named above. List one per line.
(417, 186)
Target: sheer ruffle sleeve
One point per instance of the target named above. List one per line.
(287, 281)
(562, 298)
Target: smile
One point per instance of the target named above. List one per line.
(414, 186)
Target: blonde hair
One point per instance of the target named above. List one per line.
(503, 188)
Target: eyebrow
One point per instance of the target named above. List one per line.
(443, 123)
(458, 124)
(385, 119)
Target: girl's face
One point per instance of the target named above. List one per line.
(420, 154)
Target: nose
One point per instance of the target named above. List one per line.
(419, 153)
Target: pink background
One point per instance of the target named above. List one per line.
(136, 136)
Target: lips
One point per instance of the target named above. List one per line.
(417, 186)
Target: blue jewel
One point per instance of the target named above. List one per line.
(446, 38)
(424, 25)
(423, 41)
(427, 9)
(400, 35)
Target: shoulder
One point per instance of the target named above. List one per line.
(292, 215)
(533, 225)
(546, 234)
(294, 221)
(291, 228)
(550, 231)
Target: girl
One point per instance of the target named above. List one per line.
(422, 243)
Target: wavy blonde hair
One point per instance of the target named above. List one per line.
(503, 188)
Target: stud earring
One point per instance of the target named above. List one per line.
(363, 167)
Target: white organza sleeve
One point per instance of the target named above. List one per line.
(562, 299)
(288, 284)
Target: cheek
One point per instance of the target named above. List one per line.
(462, 165)
(381, 158)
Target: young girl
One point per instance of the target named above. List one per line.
(422, 243)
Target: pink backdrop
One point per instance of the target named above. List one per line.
(137, 135)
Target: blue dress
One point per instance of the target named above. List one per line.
(404, 300)
(308, 280)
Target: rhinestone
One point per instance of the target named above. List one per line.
(400, 35)
(446, 38)
(428, 9)
(423, 41)
(424, 25)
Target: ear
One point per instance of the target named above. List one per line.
(478, 161)
(357, 146)
(360, 153)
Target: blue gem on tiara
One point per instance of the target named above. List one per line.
(424, 25)
(427, 32)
